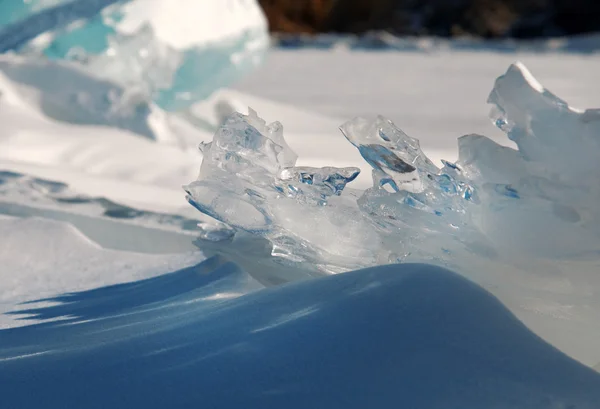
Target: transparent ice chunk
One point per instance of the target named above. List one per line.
(248, 181)
(315, 184)
(545, 128)
(396, 158)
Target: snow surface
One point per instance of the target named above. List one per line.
(413, 335)
(55, 257)
(137, 313)
(435, 97)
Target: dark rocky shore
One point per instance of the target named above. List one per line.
(445, 18)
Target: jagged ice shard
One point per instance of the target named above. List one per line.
(249, 181)
(136, 44)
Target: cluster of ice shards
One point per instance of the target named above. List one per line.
(249, 181)
(539, 201)
(136, 43)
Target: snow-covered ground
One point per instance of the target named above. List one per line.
(409, 335)
(112, 295)
(435, 97)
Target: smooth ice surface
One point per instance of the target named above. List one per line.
(493, 214)
(135, 43)
(413, 335)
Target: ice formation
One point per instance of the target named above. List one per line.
(249, 181)
(493, 203)
(135, 43)
(522, 223)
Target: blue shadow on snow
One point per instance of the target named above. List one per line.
(411, 336)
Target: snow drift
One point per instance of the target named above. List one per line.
(413, 335)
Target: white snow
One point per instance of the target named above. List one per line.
(455, 339)
(42, 258)
(412, 335)
(435, 97)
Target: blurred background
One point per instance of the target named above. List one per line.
(448, 18)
